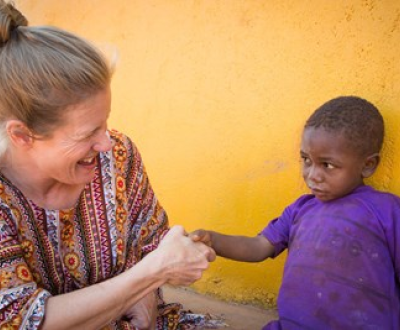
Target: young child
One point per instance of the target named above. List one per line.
(343, 265)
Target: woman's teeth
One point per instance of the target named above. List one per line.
(87, 161)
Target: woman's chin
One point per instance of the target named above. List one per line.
(84, 174)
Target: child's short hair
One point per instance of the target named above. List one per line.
(359, 121)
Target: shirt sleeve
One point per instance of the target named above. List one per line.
(278, 230)
(22, 302)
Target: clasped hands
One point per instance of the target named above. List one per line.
(184, 258)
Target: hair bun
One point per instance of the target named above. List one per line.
(10, 19)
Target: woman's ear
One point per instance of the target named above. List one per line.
(370, 165)
(18, 133)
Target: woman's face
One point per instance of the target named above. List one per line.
(69, 155)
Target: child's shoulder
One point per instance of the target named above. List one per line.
(304, 199)
(365, 197)
(382, 203)
(374, 195)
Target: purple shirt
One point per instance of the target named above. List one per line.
(343, 265)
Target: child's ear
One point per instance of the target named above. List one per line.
(370, 165)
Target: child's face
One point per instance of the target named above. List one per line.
(331, 167)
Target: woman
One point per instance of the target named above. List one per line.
(79, 222)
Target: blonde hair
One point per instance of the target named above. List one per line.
(43, 71)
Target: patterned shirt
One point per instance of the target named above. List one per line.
(44, 253)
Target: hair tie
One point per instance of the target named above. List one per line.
(10, 19)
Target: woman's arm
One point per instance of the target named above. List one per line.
(178, 261)
(240, 248)
(143, 315)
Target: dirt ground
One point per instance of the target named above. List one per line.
(236, 316)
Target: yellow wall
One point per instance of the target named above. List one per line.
(215, 94)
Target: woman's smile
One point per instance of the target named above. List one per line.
(88, 161)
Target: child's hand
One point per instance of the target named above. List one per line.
(201, 235)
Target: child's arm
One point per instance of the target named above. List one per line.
(240, 248)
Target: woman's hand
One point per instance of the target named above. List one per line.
(143, 315)
(183, 260)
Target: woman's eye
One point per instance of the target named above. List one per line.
(94, 133)
(305, 160)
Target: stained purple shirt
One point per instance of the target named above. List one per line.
(343, 265)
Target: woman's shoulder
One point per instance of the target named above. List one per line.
(124, 157)
(12, 202)
(121, 141)
(118, 137)
(8, 192)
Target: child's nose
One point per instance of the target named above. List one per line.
(315, 174)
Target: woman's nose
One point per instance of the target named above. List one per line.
(103, 143)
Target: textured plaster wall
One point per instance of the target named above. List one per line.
(215, 94)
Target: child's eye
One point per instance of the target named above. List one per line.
(329, 166)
